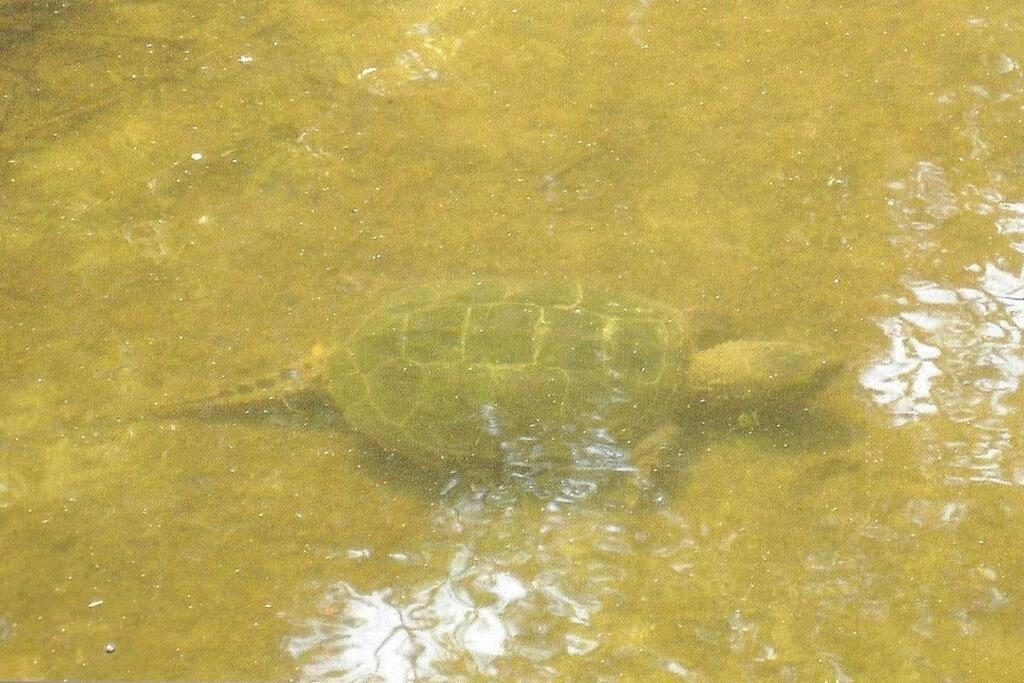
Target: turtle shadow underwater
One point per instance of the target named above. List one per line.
(808, 434)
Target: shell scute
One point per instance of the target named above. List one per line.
(435, 334)
(502, 333)
(638, 346)
(573, 337)
(381, 339)
(390, 387)
(451, 411)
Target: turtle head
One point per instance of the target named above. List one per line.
(742, 375)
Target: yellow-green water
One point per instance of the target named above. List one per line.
(195, 194)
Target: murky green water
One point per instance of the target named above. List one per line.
(194, 196)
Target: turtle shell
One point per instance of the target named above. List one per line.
(492, 370)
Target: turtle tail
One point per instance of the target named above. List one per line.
(293, 392)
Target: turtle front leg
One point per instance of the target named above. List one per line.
(652, 452)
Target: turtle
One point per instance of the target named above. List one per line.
(500, 371)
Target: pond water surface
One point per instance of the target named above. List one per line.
(196, 194)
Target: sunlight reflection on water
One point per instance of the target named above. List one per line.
(955, 348)
(373, 634)
(493, 599)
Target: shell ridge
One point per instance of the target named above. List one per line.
(540, 333)
(465, 331)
